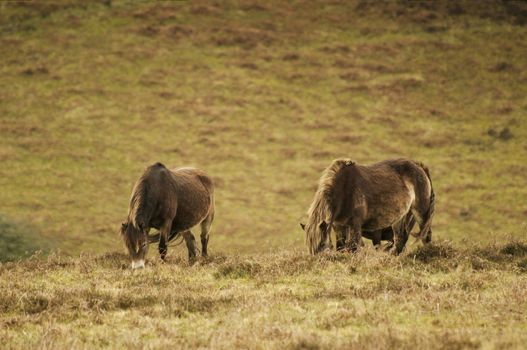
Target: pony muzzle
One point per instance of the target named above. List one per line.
(139, 264)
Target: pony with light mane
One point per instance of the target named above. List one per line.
(377, 200)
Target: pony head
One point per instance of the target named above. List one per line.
(317, 236)
(136, 243)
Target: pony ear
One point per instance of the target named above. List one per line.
(323, 226)
(303, 226)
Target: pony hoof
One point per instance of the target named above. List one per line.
(388, 247)
(353, 249)
(394, 251)
(140, 264)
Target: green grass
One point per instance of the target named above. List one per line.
(92, 94)
(19, 240)
(263, 96)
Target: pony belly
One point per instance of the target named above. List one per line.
(393, 211)
(378, 223)
(186, 219)
(386, 220)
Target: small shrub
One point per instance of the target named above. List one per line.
(434, 251)
(514, 248)
(522, 265)
(35, 304)
(478, 263)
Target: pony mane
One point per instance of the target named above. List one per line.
(138, 203)
(321, 207)
(131, 231)
(141, 206)
(139, 211)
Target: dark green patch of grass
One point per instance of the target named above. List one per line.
(19, 240)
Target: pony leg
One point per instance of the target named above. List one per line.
(354, 243)
(341, 233)
(387, 235)
(419, 213)
(205, 229)
(330, 245)
(425, 229)
(400, 235)
(409, 222)
(191, 244)
(163, 239)
(376, 238)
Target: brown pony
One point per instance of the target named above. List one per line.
(375, 199)
(172, 201)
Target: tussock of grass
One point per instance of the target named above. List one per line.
(514, 249)
(434, 251)
(522, 265)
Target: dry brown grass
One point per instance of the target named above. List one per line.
(438, 296)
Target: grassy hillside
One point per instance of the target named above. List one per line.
(438, 297)
(262, 95)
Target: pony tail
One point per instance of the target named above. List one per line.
(426, 231)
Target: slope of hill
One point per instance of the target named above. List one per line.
(262, 95)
